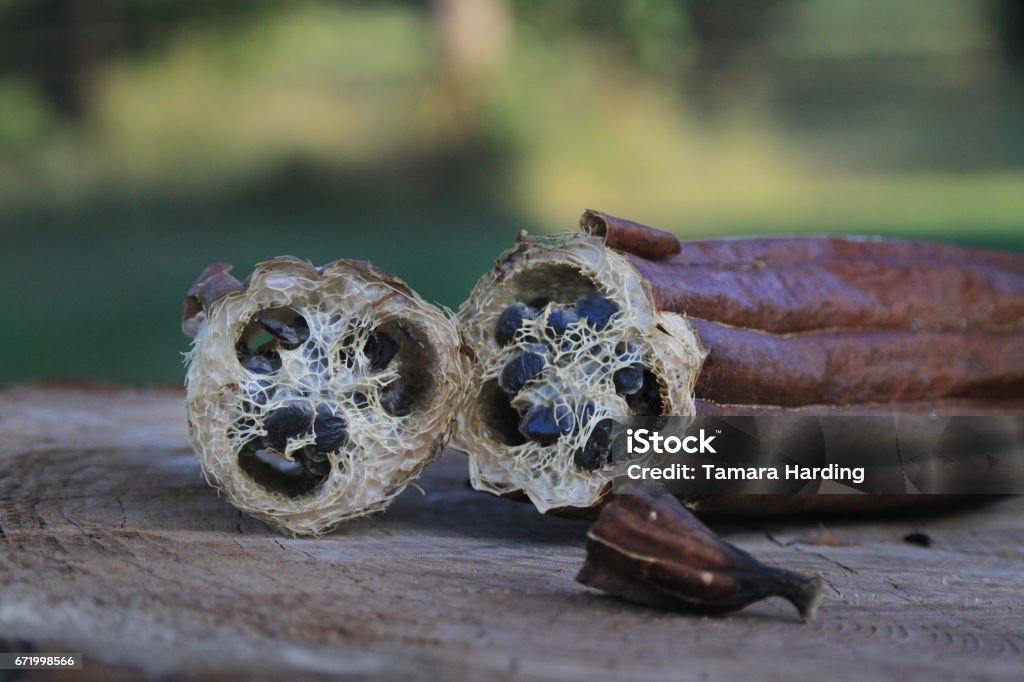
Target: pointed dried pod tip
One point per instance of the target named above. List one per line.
(650, 550)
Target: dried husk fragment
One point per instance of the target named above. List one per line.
(650, 550)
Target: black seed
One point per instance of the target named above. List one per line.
(519, 370)
(559, 319)
(395, 399)
(279, 464)
(597, 450)
(261, 391)
(314, 465)
(597, 310)
(359, 399)
(331, 432)
(647, 401)
(285, 422)
(380, 349)
(291, 334)
(538, 303)
(545, 423)
(273, 471)
(244, 424)
(577, 336)
(266, 362)
(627, 350)
(511, 320)
(629, 380)
(317, 359)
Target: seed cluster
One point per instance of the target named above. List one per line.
(542, 340)
(317, 394)
(290, 434)
(608, 353)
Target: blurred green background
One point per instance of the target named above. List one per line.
(142, 139)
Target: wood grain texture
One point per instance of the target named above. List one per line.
(113, 545)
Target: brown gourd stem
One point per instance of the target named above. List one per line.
(625, 235)
(213, 283)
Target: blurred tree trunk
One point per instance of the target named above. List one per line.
(1009, 25)
(474, 37)
(67, 39)
(731, 52)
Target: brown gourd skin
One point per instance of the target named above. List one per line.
(939, 408)
(799, 284)
(829, 321)
(826, 326)
(858, 366)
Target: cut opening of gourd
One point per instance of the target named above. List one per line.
(565, 365)
(315, 395)
(568, 343)
(408, 347)
(545, 282)
(381, 365)
(266, 334)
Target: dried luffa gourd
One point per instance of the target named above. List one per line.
(315, 395)
(572, 331)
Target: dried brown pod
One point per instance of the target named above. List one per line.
(818, 326)
(315, 395)
(649, 549)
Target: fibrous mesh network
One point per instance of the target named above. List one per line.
(586, 347)
(317, 395)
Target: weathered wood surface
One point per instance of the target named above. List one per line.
(113, 545)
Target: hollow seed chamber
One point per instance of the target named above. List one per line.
(315, 395)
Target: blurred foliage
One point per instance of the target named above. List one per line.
(656, 34)
(141, 139)
(26, 122)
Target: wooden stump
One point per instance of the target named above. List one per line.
(114, 546)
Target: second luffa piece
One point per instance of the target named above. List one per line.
(573, 331)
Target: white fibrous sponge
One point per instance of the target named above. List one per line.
(315, 395)
(567, 342)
